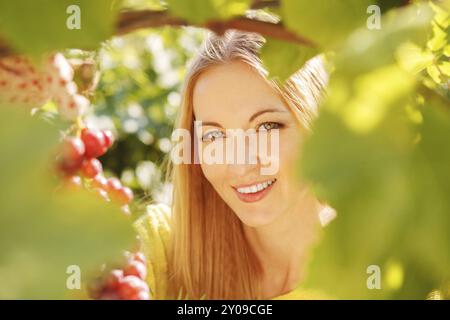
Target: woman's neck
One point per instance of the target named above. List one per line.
(282, 246)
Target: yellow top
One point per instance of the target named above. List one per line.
(154, 231)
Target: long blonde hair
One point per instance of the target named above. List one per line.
(209, 255)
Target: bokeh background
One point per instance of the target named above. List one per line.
(137, 97)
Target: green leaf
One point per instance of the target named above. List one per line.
(447, 50)
(435, 74)
(442, 16)
(326, 22)
(439, 39)
(39, 26)
(430, 192)
(366, 50)
(364, 103)
(43, 231)
(275, 54)
(390, 187)
(361, 178)
(201, 11)
(412, 58)
(445, 68)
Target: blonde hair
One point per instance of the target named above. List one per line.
(210, 256)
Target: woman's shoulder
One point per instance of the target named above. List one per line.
(157, 216)
(153, 228)
(154, 223)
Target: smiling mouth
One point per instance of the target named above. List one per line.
(254, 192)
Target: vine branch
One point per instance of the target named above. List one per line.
(134, 20)
(129, 21)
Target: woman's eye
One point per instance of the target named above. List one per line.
(267, 126)
(212, 135)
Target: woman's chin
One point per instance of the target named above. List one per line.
(258, 218)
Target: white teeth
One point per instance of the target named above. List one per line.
(256, 187)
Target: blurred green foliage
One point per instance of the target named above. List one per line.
(23, 25)
(327, 21)
(379, 156)
(275, 53)
(200, 11)
(44, 230)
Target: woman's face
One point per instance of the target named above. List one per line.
(235, 96)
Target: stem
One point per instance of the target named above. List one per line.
(134, 20)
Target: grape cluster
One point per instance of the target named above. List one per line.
(127, 283)
(78, 155)
(77, 163)
(25, 83)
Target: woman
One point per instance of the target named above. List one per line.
(233, 233)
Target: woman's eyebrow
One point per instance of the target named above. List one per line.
(253, 117)
(257, 114)
(210, 123)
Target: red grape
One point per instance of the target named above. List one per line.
(109, 138)
(123, 284)
(131, 286)
(100, 182)
(113, 279)
(91, 168)
(123, 195)
(73, 149)
(94, 143)
(72, 153)
(135, 268)
(102, 194)
(114, 184)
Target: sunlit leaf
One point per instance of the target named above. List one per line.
(41, 25)
(392, 196)
(200, 11)
(275, 53)
(365, 49)
(367, 100)
(326, 21)
(412, 58)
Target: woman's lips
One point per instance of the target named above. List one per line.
(255, 196)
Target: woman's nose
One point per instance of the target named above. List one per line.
(244, 156)
(245, 171)
(247, 164)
